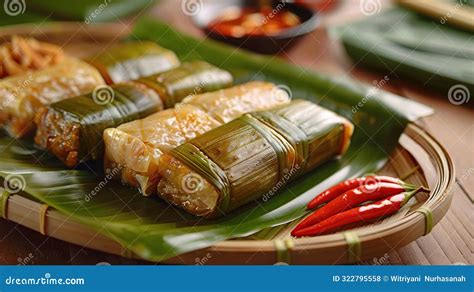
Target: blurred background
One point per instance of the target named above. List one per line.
(425, 41)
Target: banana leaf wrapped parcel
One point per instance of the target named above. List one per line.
(132, 60)
(135, 148)
(246, 158)
(72, 129)
(23, 95)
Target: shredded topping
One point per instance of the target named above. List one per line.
(22, 55)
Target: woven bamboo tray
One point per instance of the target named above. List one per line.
(418, 156)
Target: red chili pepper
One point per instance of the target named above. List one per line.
(347, 185)
(352, 198)
(365, 213)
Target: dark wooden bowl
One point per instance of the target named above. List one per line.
(267, 44)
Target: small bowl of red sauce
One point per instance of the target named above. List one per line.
(267, 27)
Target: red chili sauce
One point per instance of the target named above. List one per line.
(236, 22)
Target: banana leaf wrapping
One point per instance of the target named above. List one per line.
(250, 157)
(134, 149)
(189, 79)
(132, 60)
(22, 96)
(72, 129)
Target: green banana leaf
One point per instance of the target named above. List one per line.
(413, 47)
(155, 230)
(26, 17)
(89, 11)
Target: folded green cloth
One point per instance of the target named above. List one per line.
(413, 47)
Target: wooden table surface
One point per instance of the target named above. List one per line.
(450, 242)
